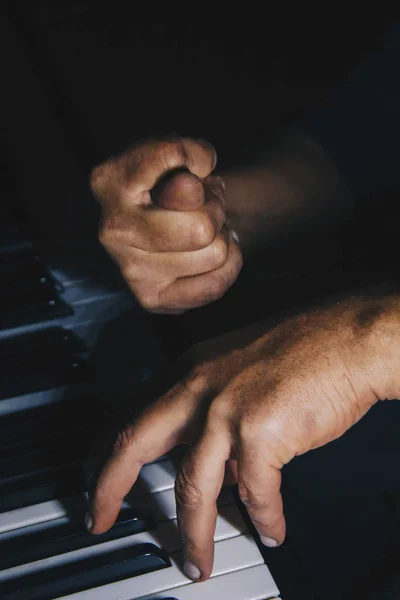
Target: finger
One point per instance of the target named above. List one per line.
(181, 191)
(259, 489)
(191, 292)
(155, 432)
(197, 488)
(154, 229)
(140, 169)
(138, 265)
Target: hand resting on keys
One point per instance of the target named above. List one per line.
(258, 397)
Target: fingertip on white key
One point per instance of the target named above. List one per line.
(269, 542)
(191, 571)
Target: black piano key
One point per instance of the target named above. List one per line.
(60, 536)
(38, 307)
(61, 450)
(41, 361)
(20, 275)
(28, 292)
(61, 372)
(48, 340)
(13, 240)
(41, 487)
(21, 265)
(86, 573)
(35, 428)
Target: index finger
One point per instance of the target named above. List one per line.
(157, 430)
(142, 167)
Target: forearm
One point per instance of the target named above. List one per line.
(383, 318)
(293, 189)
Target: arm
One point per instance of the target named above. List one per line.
(294, 188)
(347, 159)
(259, 396)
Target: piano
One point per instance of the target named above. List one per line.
(51, 324)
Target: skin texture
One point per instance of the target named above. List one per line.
(167, 218)
(248, 402)
(256, 398)
(163, 222)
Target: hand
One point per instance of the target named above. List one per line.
(168, 236)
(259, 397)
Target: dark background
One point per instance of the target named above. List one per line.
(80, 82)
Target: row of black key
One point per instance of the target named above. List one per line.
(39, 460)
(29, 294)
(66, 535)
(86, 573)
(41, 361)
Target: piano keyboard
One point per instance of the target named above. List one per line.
(46, 337)
(38, 292)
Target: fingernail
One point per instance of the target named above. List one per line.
(267, 541)
(191, 571)
(211, 147)
(88, 522)
(235, 236)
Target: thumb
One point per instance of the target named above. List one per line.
(180, 190)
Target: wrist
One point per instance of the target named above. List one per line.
(291, 189)
(384, 344)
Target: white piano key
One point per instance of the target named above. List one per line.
(230, 523)
(85, 290)
(161, 506)
(102, 309)
(231, 555)
(155, 477)
(51, 396)
(255, 583)
(166, 535)
(38, 513)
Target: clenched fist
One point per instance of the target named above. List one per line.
(163, 222)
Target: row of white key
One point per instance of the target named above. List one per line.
(247, 584)
(232, 555)
(238, 551)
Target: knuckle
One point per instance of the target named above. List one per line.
(220, 410)
(249, 431)
(130, 268)
(195, 381)
(105, 180)
(98, 178)
(187, 493)
(220, 251)
(173, 153)
(253, 500)
(202, 232)
(123, 441)
(149, 302)
(215, 288)
(128, 272)
(109, 230)
(148, 293)
(105, 237)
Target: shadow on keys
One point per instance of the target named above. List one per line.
(44, 438)
(45, 551)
